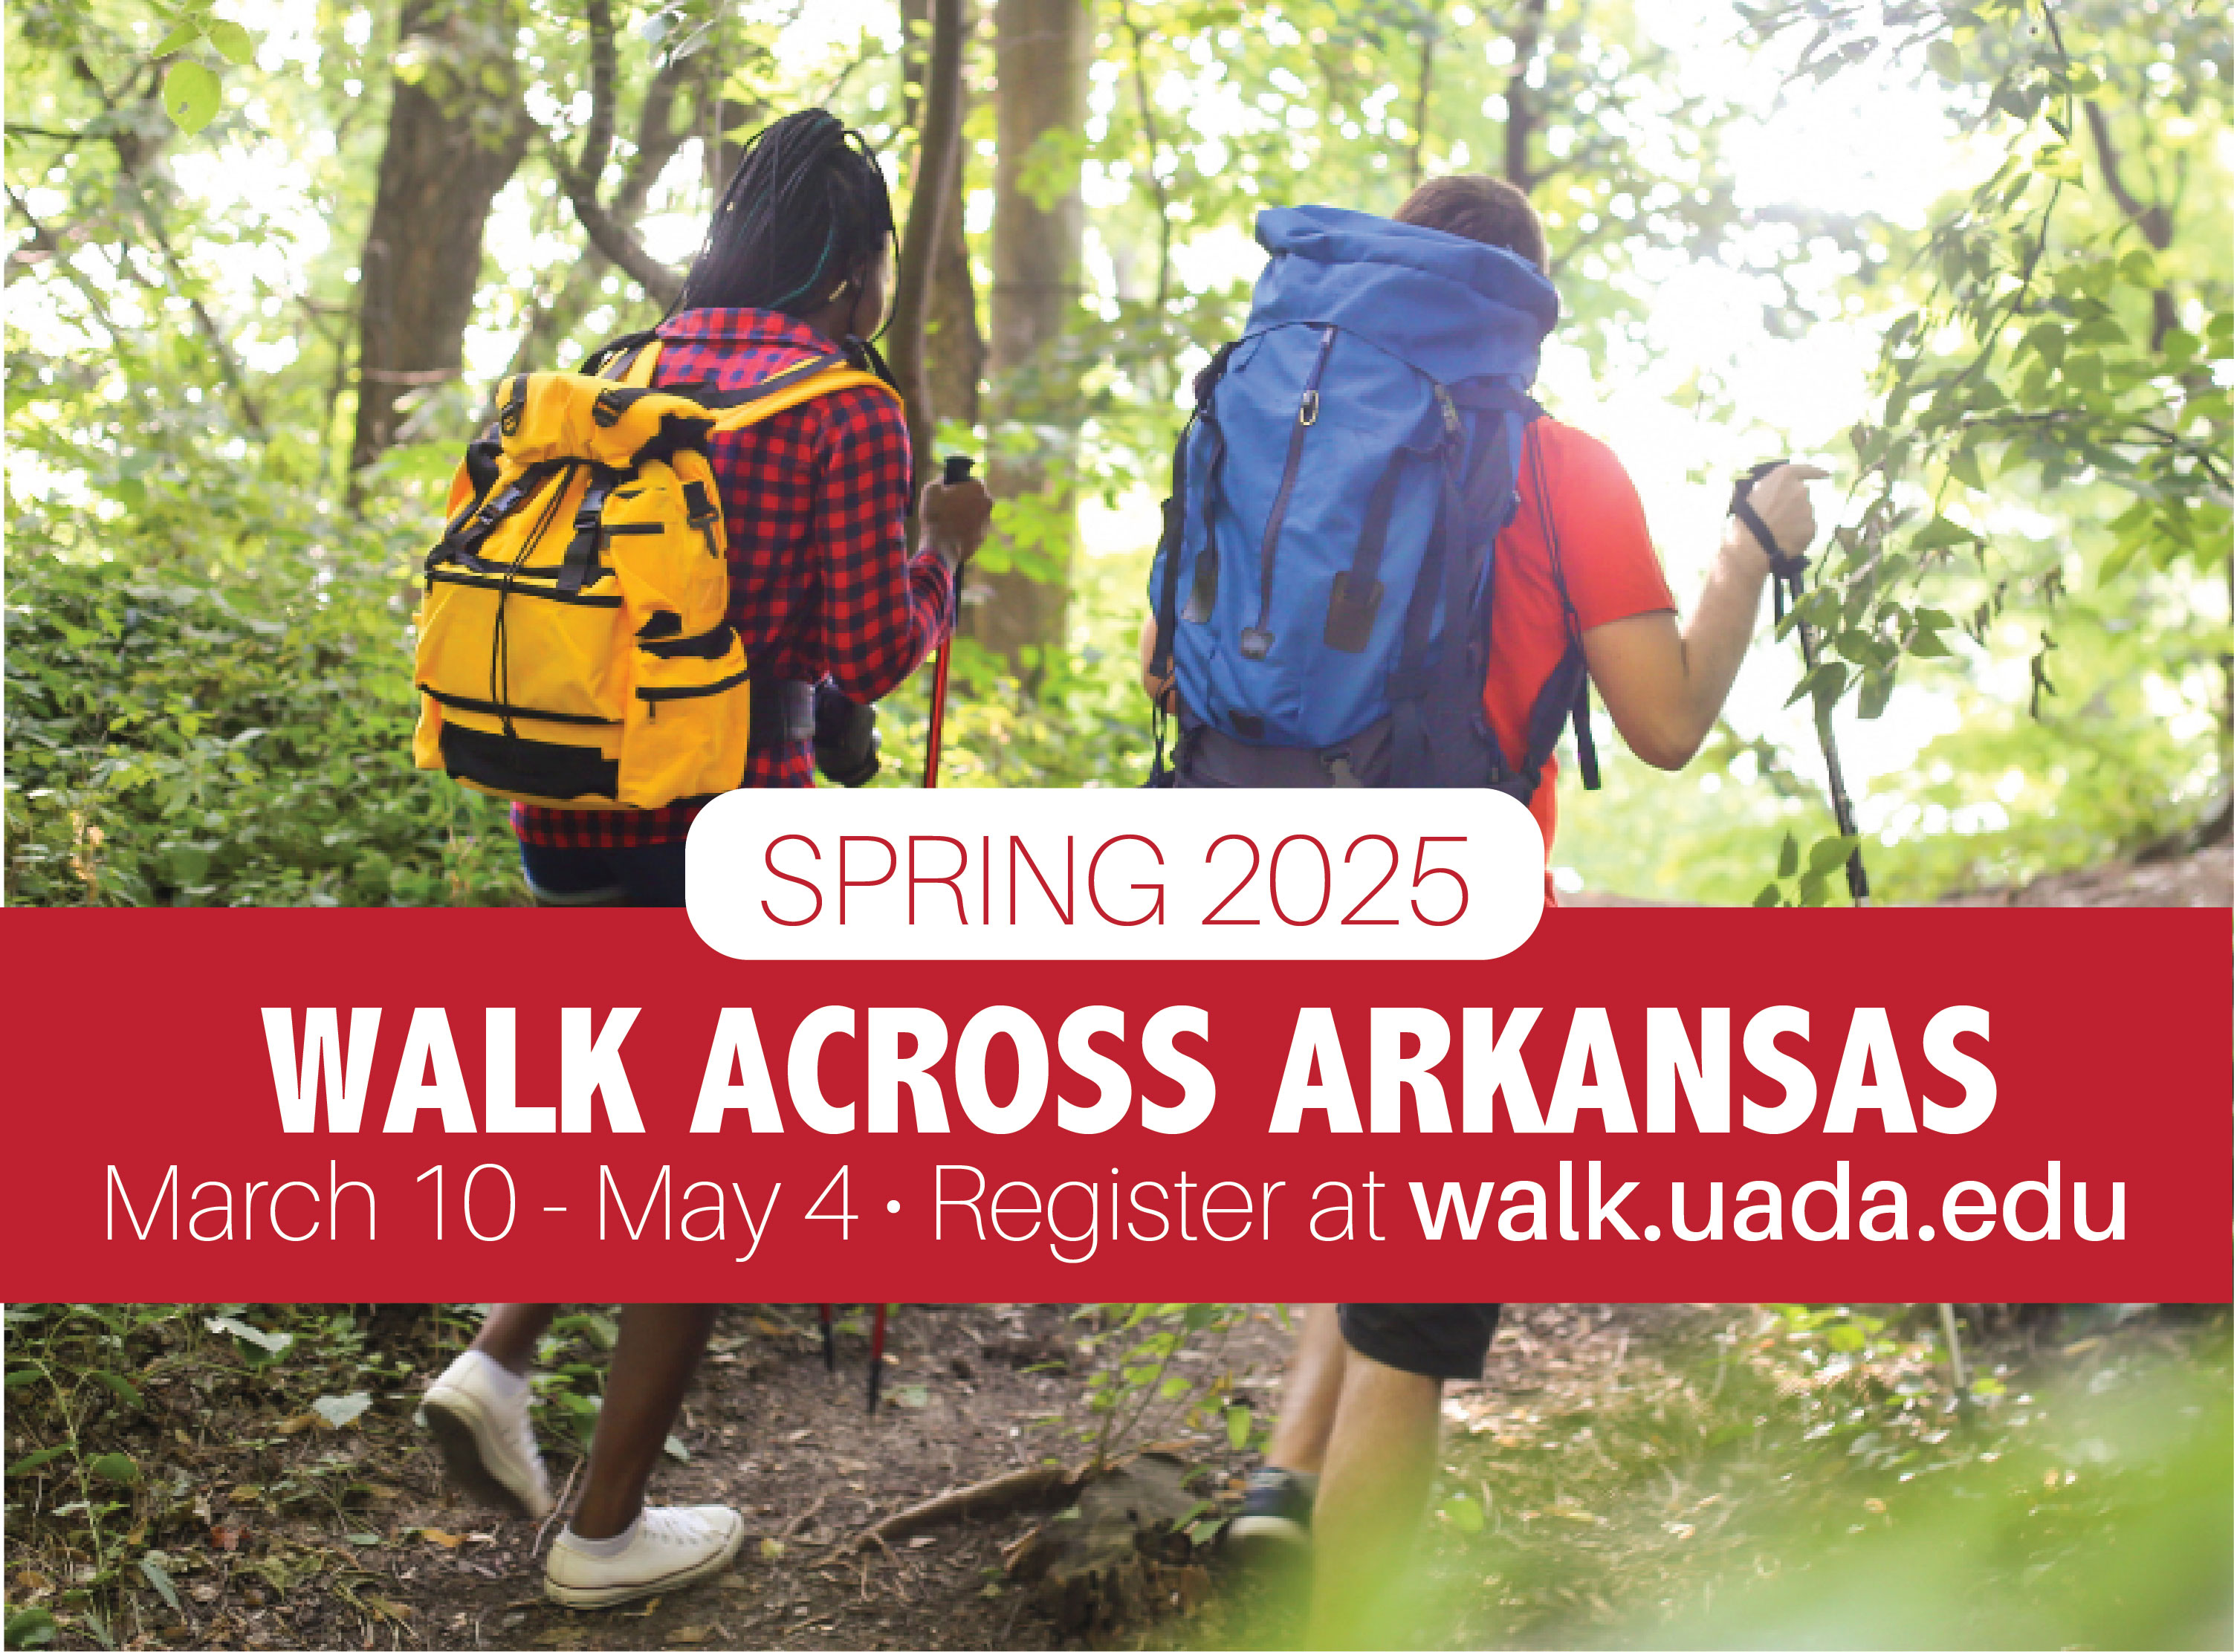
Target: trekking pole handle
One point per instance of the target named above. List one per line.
(958, 469)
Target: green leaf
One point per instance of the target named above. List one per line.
(117, 1386)
(339, 1410)
(1845, 1339)
(913, 1395)
(1828, 682)
(1945, 60)
(2045, 340)
(1770, 896)
(115, 1466)
(33, 1626)
(232, 41)
(151, 1568)
(677, 1450)
(1239, 1421)
(191, 95)
(1787, 856)
(1940, 531)
(24, 1373)
(1465, 1514)
(178, 39)
(1830, 853)
(1814, 889)
(40, 1459)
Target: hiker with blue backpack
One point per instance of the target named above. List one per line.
(1383, 564)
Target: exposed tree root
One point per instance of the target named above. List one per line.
(1020, 1488)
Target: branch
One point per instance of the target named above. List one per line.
(1155, 143)
(48, 242)
(608, 231)
(2153, 222)
(228, 369)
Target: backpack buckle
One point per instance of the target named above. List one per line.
(1452, 427)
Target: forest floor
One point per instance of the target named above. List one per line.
(1620, 1470)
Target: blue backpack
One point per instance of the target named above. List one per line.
(1325, 577)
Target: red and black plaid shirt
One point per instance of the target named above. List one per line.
(820, 583)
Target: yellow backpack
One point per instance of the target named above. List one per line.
(574, 645)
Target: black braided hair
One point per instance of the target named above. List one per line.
(805, 210)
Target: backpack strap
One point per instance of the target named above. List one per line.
(639, 364)
(1175, 511)
(1570, 679)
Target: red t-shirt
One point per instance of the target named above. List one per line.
(1612, 573)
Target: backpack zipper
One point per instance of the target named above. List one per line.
(1257, 641)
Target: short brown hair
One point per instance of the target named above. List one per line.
(1480, 207)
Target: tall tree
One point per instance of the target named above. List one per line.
(938, 155)
(954, 343)
(1042, 49)
(457, 129)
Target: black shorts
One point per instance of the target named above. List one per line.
(1445, 1340)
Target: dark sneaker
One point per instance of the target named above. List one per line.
(1275, 1519)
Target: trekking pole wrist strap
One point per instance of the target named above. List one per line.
(1785, 568)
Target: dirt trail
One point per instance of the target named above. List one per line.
(281, 1535)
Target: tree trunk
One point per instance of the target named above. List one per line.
(1041, 49)
(938, 154)
(954, 345)
(455, 135)
(1520, 114)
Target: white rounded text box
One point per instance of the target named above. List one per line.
(964, 874)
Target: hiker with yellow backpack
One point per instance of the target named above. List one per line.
(644, 581)
(651, 568)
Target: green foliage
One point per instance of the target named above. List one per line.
(89, 1464)
(1805, 1476)
(207, 625)
(1152, 1357)
(2071, 348)
(180, 736)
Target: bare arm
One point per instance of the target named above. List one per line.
(1663, 685)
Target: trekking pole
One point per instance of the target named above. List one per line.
(957, 470)
(1787, 577)
(829, 1339)
(877, 1350)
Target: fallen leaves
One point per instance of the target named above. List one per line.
(340, 1410)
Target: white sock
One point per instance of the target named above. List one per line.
(508, 1384)
(603, 1548)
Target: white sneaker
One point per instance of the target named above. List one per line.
(477, 1412)
(669, 1548)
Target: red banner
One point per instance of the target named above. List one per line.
(1889, 1105)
